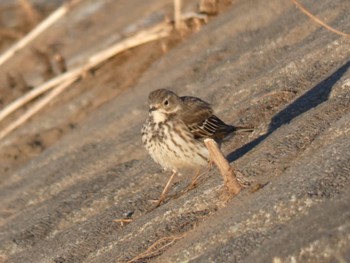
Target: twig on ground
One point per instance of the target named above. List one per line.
(142, 37)
(159, 31)
(177, 14)
(317, 20)
(155, 250)
(37, 31)
(38, 106)
(123, 221)
(35, 93)
(224, 167)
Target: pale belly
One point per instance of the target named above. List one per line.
(172, 146)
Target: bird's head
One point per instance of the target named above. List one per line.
(164, 102)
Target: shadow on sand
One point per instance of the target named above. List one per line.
(307, 101)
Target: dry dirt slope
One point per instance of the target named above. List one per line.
(260, 63)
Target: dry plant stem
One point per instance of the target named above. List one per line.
(38, 106)
(153, 251)
(36, 92)
(195, 180)
(159, 31)
(123, 221)
(305, 11)
(51, 19)
(145, 36)
(177, 14)
(224, 167)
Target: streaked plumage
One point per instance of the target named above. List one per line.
(174, 132)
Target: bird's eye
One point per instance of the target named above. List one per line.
(166, 102)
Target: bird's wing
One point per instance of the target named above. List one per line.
(201, 121)
(211, 127)
(195, 110)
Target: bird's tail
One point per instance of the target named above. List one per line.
(234, 130)
(243, 129)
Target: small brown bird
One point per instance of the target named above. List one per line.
(175, 130)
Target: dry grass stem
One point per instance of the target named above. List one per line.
(317, 20)
(159, 31)
(123, 221)
(177, 14)
(272, 94)
(224, 167)
(156, 248)
(51, 19)
(142, 37)
(156, 32)
(36, 92)
(38, 106)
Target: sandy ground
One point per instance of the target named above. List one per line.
(79, 164)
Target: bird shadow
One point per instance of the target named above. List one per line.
(310, 99)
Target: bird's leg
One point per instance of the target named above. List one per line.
(166, 188)
(210, 164)
(194, 180)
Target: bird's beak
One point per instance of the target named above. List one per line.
(152, 109)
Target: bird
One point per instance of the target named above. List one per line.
(175, 130)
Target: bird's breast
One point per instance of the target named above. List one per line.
(171, 144)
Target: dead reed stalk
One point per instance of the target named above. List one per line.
(156, 32)
(224, 167)
(319, 21)
(156, 248)
(145, 36)
(177, 14)
(38, 106)
(51, 19)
